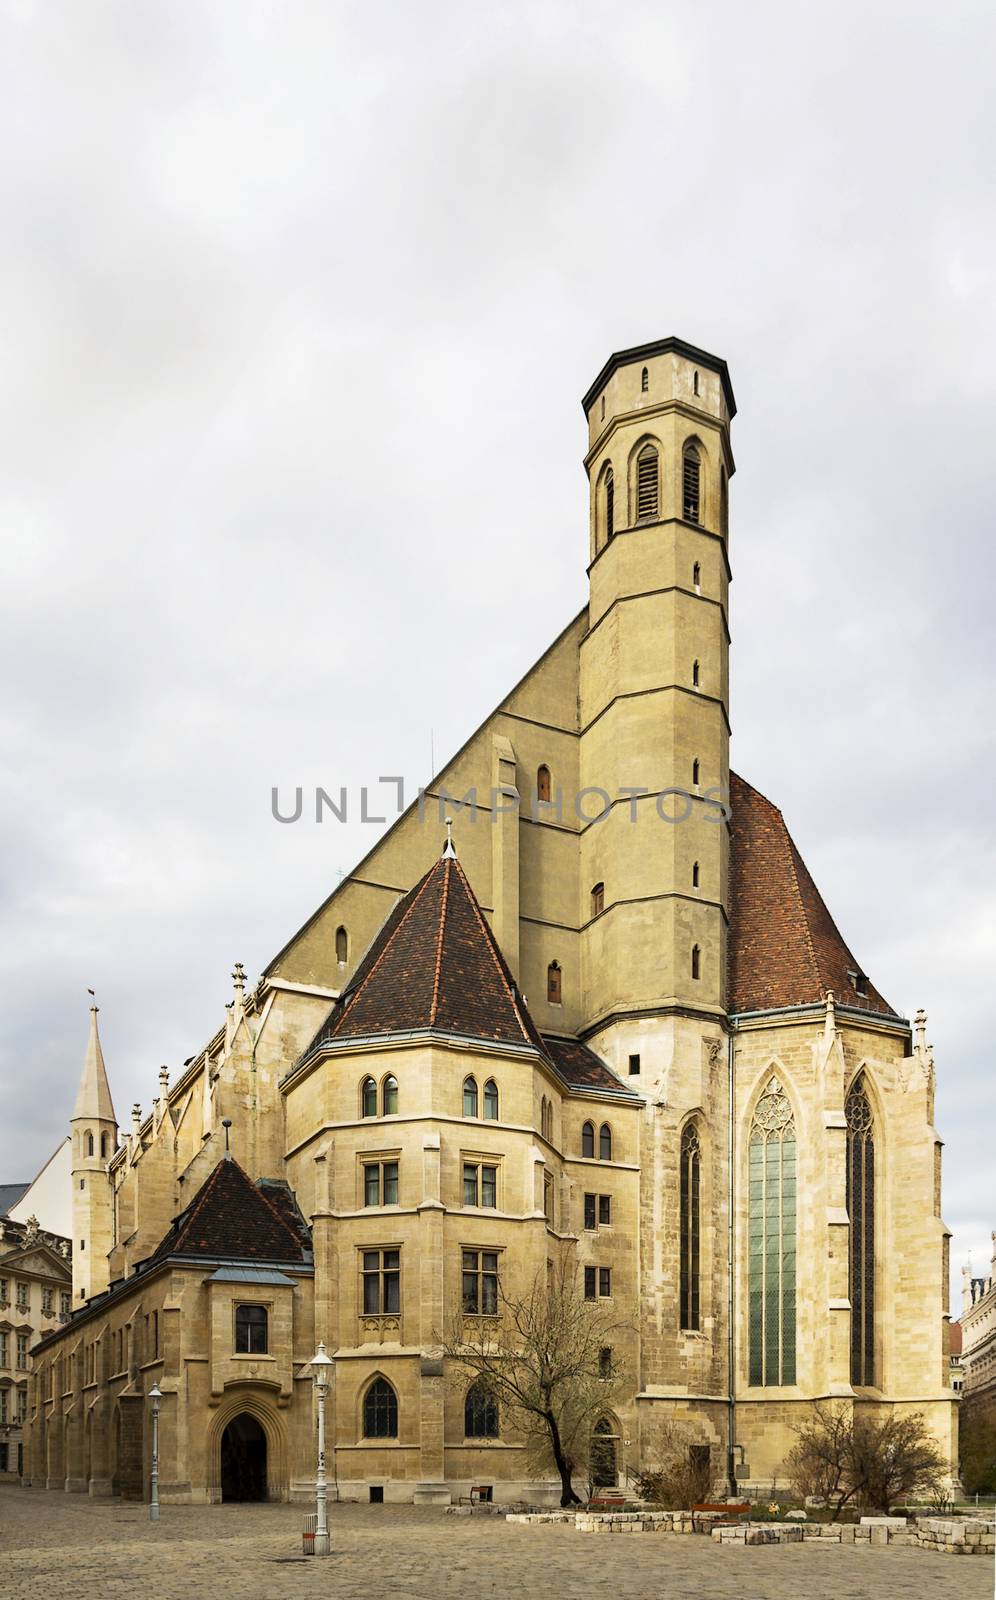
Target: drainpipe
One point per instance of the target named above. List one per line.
(731, 1423)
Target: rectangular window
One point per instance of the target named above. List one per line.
(604, 1210)
(22, 1405)
(381, 1282)
(4, 1350)
(4, 1291)
(251, 1330)
(65, 1301)
(605, 1361)
(590, 1214)
(634, 1065)
(22, 1297)
(380, 1183)
(4, 1413)
(480, 1184)
(480, 1283)
(604, 1282)
(589, 1283)
(22, 1352)
(48, 1301)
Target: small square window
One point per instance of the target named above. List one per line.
(634, 1065)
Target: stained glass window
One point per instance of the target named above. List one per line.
(771, 1235)
(861, 1210)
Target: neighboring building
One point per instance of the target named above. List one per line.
(35, 1287)
(408, 1131)
(957, 1365)
(48, 1197)
(978, 1332)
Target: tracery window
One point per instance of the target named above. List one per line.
(771, 1238)
(480, 1413)
(691, 1178)
(380, 1411)
(861, 1211)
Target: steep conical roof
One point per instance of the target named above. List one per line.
(93, 1098)
(785, 948)
(434, 965)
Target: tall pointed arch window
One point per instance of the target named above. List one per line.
(771, 1238)
(691, 467)
(368, 1098)
(89, 1143)
(380, 1411)
(691, 1180)
(861, 1210)
(543, 783)
(470, 1097)
(491, 1100)
(647, 484)
(390, 1096)
(609, 492)
(341, 946)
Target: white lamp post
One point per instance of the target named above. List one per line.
(155, 1395)
(320, 1364)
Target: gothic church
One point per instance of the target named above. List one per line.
(611, 1017)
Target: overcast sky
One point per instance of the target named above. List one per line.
(298, 303)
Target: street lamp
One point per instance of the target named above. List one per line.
(320, 1364)
(155, 1395)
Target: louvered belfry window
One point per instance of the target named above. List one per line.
(610, 505)
(691, 467)
(647, 480)
(861, 1211)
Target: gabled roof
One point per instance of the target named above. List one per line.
(435, 965)
(10, 1193)
(231, 1219)
(785, 948)
(581, 1068)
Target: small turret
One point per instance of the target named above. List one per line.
(94, 1140)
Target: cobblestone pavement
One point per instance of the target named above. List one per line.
(65, 1547)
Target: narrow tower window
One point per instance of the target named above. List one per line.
(341, 946)
(390, 1096)
(89, 1143)
(105, 1143)
(543, 783)
(696, 961)
(368, 1098)
(691, 1172)
(610, 505)
(553, 992)
(644, 381)
(695, 383)
(695, 771)
(697, 576)
(647, 481)
(861, 1211)
(491, 1100)
(690, 483)
(470, 1097)
(603, 408)
(605, 1142)
(695, 874)
(597, 899)
(771, 1239)
(724, 506)
(695, 674)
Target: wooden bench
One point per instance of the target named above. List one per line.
(606, 1502)
(708, 1513)
(480, 1494)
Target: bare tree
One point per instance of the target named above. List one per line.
(678, 1473)
(847, 1456)
(548, 1360)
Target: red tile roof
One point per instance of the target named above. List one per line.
(785, 948)
(581, 1068)
(434, 965)
(955, 1345)
(230, 1219)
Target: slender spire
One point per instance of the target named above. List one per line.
(93, 1098)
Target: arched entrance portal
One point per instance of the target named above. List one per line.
(603, 1456)
(243, 1459)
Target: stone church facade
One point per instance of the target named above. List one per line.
(611, 1019)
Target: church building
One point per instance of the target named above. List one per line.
(605, 1014)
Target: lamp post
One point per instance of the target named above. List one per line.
(155, 1395)
(320, 1364)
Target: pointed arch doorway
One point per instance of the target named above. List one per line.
(243, 1459)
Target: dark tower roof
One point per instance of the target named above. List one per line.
(662, 347)
(785, 948)
(231, 1219)
(434, 965)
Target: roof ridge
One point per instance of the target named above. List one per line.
(440, 935)
(268, 1203)
(491, 943)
